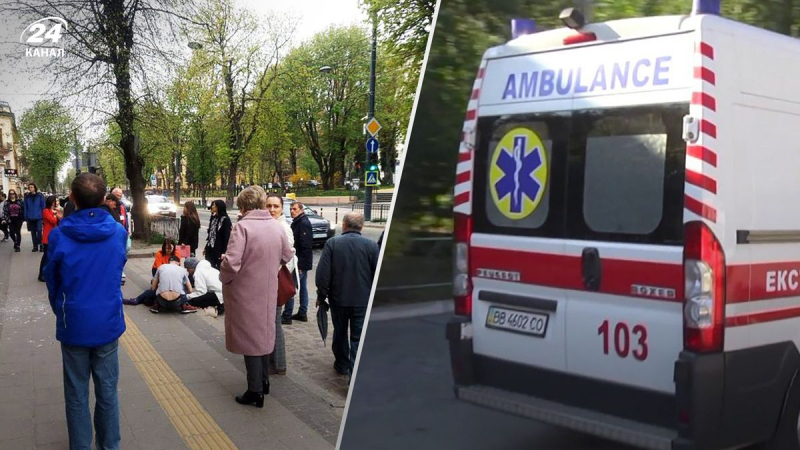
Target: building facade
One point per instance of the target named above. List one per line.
(9, 150)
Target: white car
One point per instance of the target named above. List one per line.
(160, 205)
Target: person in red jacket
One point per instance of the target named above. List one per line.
(51, 215)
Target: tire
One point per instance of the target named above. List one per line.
(786, 435)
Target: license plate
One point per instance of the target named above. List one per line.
(319, 235)
(534, 324)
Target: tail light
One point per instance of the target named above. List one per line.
(462, 284)
(704, 307)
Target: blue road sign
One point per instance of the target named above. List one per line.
(372, 145)
(372, 178)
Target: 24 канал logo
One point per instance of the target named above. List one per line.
(43, 38)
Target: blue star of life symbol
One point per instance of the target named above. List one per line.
(517, 169)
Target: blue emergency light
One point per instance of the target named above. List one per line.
(521, 27)
(706, 7)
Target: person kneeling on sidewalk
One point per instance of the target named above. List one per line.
(207, 287)
(171, 284)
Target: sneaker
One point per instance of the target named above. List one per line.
(155, 309)
(300, 317)
(16, 249)
(220, 310)
(210, 311)
(129, 301)
(344, 373)
(34, 250)
(286, 320)
(188, 309)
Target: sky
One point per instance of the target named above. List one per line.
(23, 81)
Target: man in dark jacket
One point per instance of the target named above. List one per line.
(34, 205)
(86, 254)
(344, 276)
(303, 243)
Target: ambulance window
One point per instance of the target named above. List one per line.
(626, 174)
(514, 147)
(624, 183)
(520, 172)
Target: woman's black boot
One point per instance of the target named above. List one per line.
(251, 398)
(265, 385)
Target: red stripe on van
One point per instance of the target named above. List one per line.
(707, 75)
(701, 98)
(471, 114)
(461, 198)
(708, 128)
(707, 50)
(481, 72)
(700, 152)
(475, 94)
(463, 177)
(700, 208)
(464, 157)
(763, 281)
(762, 316)
(563, 271)
(701, 181)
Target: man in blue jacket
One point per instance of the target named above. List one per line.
(86, 254)
(34, 205)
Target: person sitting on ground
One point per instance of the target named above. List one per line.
(207, 287)
(171, 284)
(163, 256)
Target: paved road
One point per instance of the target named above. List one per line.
(403, 399)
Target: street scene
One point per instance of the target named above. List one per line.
(193, 196)
(567, 267)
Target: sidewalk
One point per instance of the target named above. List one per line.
(177, 382)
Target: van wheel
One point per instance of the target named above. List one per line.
(787, 434)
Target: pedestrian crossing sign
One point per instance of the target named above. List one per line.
(372, 178)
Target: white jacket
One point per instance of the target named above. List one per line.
(206, 278)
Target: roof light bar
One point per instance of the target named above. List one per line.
(572, 18)
(706, 7)
(521, 27)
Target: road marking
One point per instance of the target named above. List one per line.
(190, 419)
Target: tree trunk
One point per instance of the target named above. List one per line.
(293, 160)
(231, 184)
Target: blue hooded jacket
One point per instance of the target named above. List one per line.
(85, 258)
(34, 205)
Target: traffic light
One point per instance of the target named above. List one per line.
(372, 163)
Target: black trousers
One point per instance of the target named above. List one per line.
(257, 372)
(346, 318)
(205, 300)
(16, 232)
(43, 261)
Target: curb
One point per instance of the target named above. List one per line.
(394, 312)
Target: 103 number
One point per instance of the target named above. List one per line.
(621, 339)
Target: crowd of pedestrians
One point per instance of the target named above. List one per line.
(89, 232)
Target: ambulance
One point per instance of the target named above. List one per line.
(627, 228)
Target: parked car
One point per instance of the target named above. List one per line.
(158, 205)
(322, 228)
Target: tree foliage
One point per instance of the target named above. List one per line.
(48, 133)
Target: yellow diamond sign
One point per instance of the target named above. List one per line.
(373, 126)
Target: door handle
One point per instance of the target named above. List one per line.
(592, 268)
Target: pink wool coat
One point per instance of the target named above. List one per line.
(249, 275)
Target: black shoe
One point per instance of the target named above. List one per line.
(155, 309)
(251, 398)
(34, 250)
(16, 249)
(220, 310)
(265, 386)
(41, 279)
(286, 321)
(300, 317)
(344, 373)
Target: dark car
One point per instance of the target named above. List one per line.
(322, 228)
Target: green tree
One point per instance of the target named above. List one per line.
(48, 133)
(327, 105)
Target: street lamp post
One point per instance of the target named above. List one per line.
(371, 113)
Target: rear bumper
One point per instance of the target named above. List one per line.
(725, 399)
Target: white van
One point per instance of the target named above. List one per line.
(627, 226)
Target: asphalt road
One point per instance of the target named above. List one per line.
(403, 399)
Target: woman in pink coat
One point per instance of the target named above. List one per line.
(249, 275)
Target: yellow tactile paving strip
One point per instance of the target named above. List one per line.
(194, 424)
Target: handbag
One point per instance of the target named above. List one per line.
(286, 289)
(184, 251)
